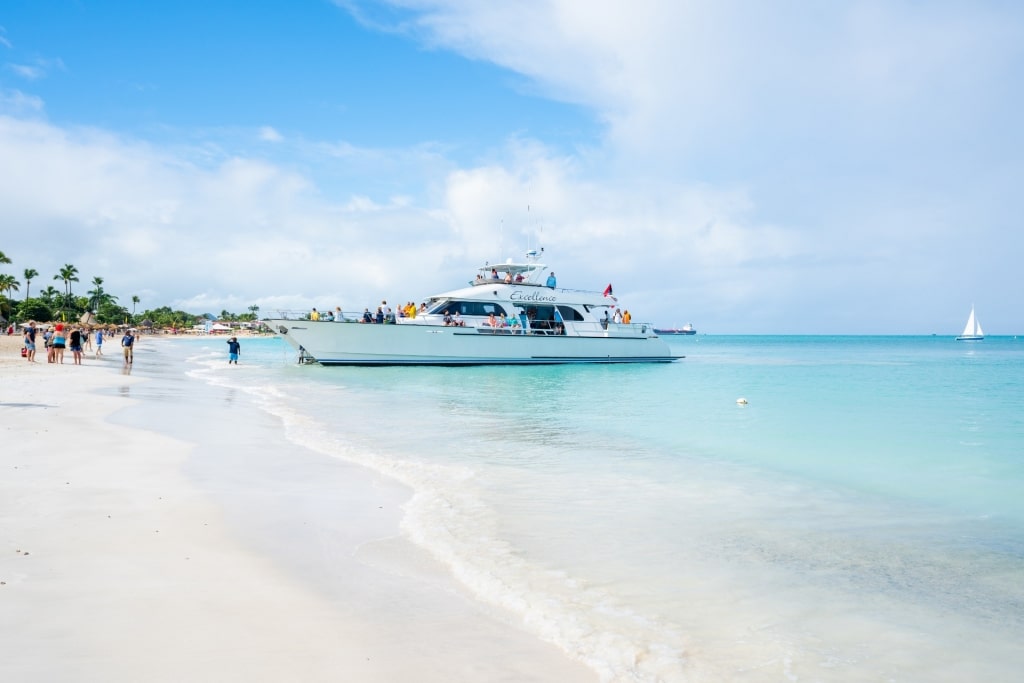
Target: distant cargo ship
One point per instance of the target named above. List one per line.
(685, 329)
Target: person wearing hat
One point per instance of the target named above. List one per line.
(234, 348)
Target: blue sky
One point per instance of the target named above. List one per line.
(848, 167)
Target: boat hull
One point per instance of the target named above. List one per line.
(357, 344)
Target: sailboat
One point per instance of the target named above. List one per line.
(973, 331)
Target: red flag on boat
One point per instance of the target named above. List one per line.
(608, 290)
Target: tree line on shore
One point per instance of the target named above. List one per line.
(52, 304)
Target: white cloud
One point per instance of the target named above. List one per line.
(39, 68)
(26, 71)
(269, 134)
(18, 103)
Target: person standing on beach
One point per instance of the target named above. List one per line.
(99, 342)
(48, 343)
(59, 344)
(76, 345)
(234, 348)
(30, 342)
(127, 342)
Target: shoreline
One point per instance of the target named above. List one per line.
(129, 554)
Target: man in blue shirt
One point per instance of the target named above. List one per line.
(127, 342)
(234, 348)
(551, 280)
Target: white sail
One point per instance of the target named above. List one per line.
(973, 328)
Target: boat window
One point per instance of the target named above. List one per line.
(541, 318)
(464, 308)
(570, 314)
(540, 313)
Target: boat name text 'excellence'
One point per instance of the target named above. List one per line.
(530, 296)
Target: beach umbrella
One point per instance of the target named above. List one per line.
(147, 323)
(88, 318)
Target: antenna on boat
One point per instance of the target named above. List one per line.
(530, 251)
(529, 233)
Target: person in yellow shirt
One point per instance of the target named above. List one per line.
(315, 315)
(626, 317)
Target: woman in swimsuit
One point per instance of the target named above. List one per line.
(59, 344)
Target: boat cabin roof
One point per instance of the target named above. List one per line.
(531, 273)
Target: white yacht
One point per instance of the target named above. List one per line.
(511, 314)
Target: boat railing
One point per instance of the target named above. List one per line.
(612, 329)
(537, 327)
(573, 329)
(289, 314)
(326, 316)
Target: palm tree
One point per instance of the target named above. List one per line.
(68, 274)
(255, 310)
(135, 300)
(3, 258)
(8, 283)
(96, 294)
(48, 294)
(30, 274)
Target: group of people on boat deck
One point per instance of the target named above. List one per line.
(328, 316)
(501, 321)
(384, 313)
(620, 317)
(450, 320)
(508, 279)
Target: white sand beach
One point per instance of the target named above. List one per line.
(119, 563)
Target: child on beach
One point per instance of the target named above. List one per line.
(234, 348)
(48, 344)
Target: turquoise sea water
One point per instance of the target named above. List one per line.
(861, 518)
